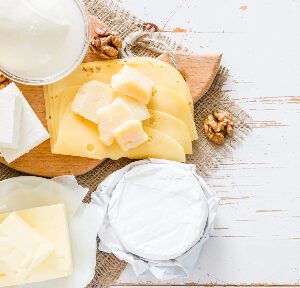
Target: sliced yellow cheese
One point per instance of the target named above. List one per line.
(51, 223)
(130, 135)
(161, 73)
(74, 128)
(111, 117)
(90, 97)
(168, 101)
(132, 83)
(171, 126)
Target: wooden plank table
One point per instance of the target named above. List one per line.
(257, 237)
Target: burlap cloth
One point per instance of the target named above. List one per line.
(205, 154)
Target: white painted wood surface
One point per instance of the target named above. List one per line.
(257, 237)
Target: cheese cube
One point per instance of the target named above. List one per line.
(130, 135)
(22, 249)
(90, 97)
(132, 83)
(139, 110)
(49, 222)
(110, 118)
(32, 131)
(10, 119)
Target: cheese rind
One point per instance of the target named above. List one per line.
(170, 210)
(132, 83)
(90, 97)
(10, 119)
(51, 223)
(130, 135)
(110, 118)
(32, 131)
(21, 247)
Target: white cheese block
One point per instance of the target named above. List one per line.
(132, 83)
(90, 97)
(10, 119)
(32, 131)
(130, 135)
(158, 211)
(22, 248)
(111, 117)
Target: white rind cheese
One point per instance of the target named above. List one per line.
(10, 119)
(32, 131)
(158, 211)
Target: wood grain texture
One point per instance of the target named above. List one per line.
(247, 248)
(199, 71)
(41, 162)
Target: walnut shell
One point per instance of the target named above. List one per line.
(217, 126)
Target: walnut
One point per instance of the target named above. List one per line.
(106, 44)
(217, 126)
(3, 81)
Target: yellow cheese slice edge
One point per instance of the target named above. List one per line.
(171, 126)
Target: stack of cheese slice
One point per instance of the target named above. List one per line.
(34, 245)
(167, 120)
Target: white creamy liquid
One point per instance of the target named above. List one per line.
(40, 38)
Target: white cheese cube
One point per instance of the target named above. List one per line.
(32, 131)
(130, 135)
(139, 110)
(132, 83)
(111, 117)
(10, 119)
(90, 97)
(22, 248)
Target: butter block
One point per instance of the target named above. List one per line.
(132, 83)
(130, 135)
(10, 119)
(32, 131)
(22, 249)
(110, 118)
(90, 97)
(50, 222)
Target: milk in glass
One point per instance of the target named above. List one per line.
(40, 38)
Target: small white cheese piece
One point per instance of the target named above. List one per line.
(22, 249)
(139, 110)
(90, 97)
(132, 83)
(32, 131)
(130, 135)
(10, 119)
(111, 117)
(158, 211)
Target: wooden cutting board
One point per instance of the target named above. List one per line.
(198, 70)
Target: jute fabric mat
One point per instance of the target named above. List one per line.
(205, 154)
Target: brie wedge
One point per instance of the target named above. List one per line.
(10, 119)
(32, 131)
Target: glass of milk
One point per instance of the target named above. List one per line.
(42, 41)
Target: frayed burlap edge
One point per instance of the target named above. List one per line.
(205, 155)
